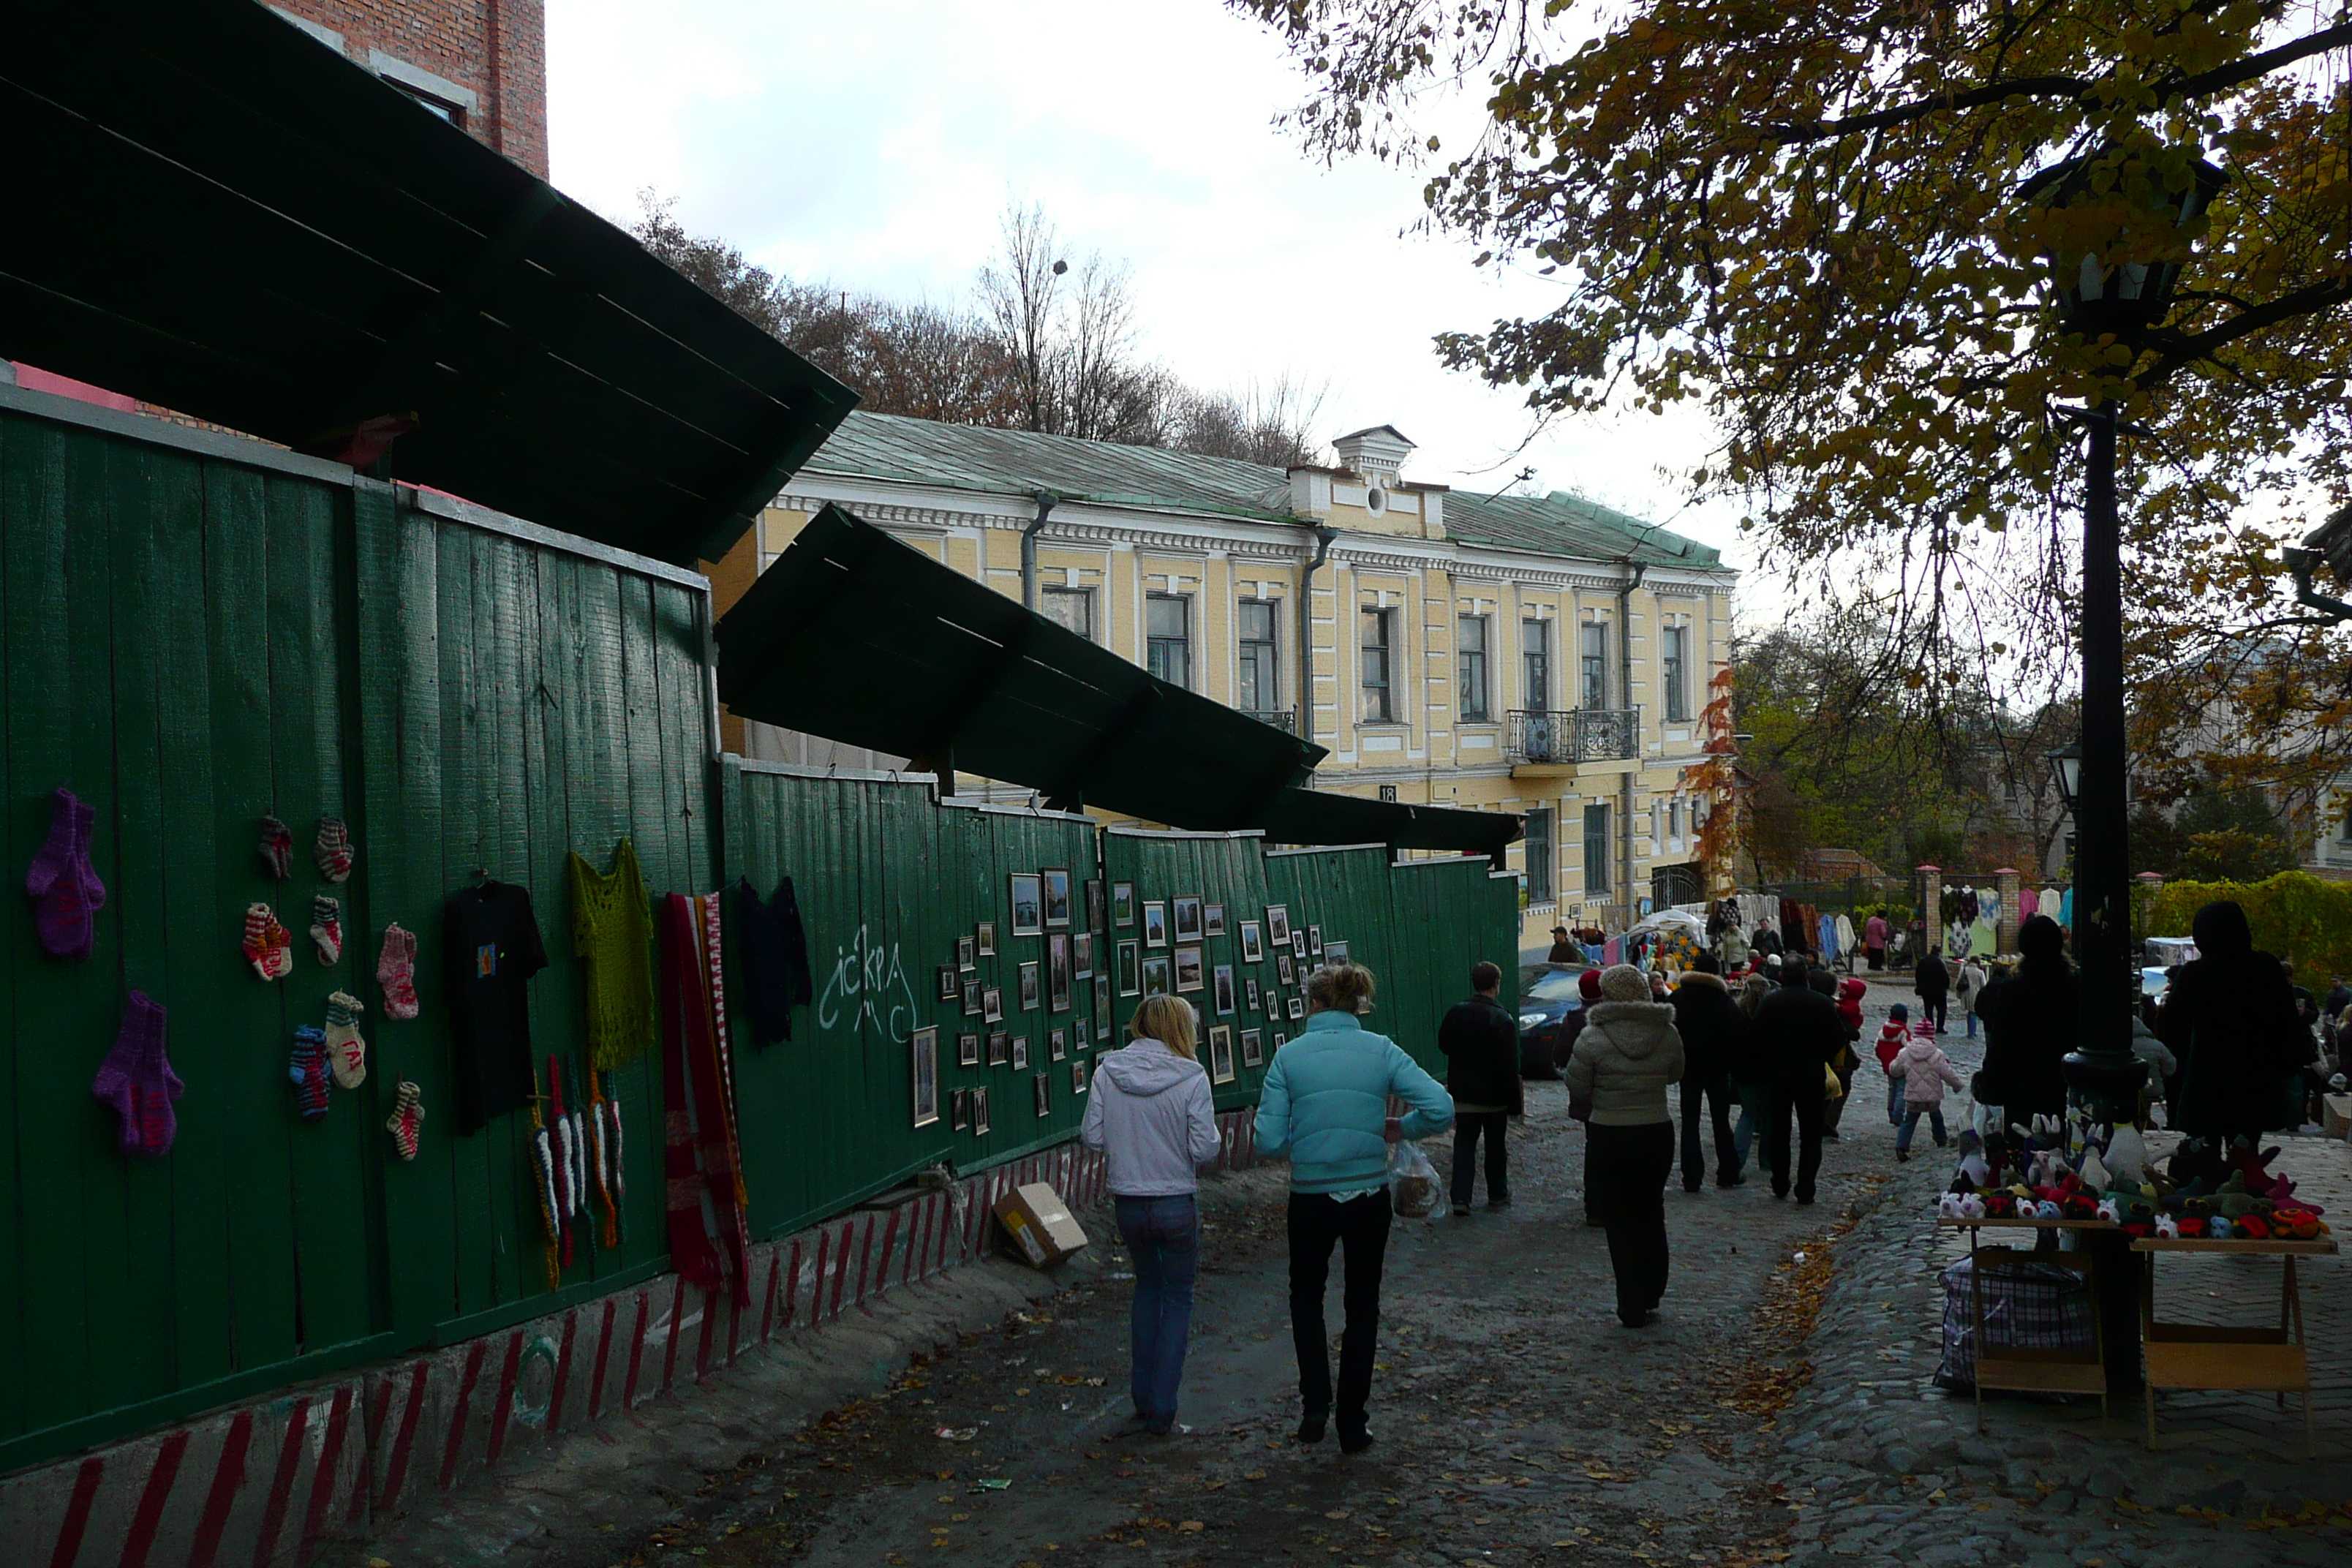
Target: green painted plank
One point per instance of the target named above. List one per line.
(20, 951)
(499, 689)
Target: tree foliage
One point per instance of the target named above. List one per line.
(1044, 345)
(2294, 914)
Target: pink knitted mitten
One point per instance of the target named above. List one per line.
(138, 1082)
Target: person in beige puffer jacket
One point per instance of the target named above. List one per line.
(1626, 1058)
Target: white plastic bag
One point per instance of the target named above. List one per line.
(1415, 1191)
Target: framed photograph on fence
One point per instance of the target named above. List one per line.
(1297, 1009)
(1314, 942)
(1334, 955)
(1155, 977)
(1213, 920)
(974, 996)
(1020, 1053)
(1082, 956)
(1221, 1053)
(1280, 1041)
(1249, 993)
(1102, 996)
(1057, 971)
(1188, 920)
(986, 931)
(992, 1004)
(1252, 942)
(1000, 1049)
(960, 1110)
(967, 953)
(1155, 922)
(1282, 970)
(924, 1047)
(1122, 903)
(1188, 970)
(1222, 990)
(967, 1049)
(980, 1111)
(1057, 1045)
(951, 986)
(1028, 905)
(1032, 990)
(1057, 898)
(1044, 1092)
(1078, 1078)
(1252, 1048)
(1094, 904)
(1298, 944)
(1081, 1036)
(1131, 970)
(1277, 923)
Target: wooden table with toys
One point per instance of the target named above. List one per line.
(2255, 1357)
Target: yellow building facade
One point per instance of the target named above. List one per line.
(1541, 656)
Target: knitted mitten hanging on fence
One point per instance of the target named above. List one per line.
(327, 928)
(345, 1050)
(138, 1082)
(65, 889)
(267, 946)
(277, 848)
(406, 1117)
(333, 851)
(395, 971)
(616, 1166)
(307, 1068)
(566, 1149)
(542, 1160)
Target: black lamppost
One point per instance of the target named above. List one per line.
(2095, 295)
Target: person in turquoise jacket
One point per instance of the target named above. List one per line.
(1326, 1101)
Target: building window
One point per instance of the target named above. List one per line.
(1539, 855)
(1674, 662)
(1534, 659)
(1072, 609)
(1168, 639)
(1378, 654)
(1470, 654)
(1593, 657)
(1260, 677)
(1674, 821)
(1596, 848)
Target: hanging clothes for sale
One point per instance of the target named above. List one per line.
(612, 930)
(1989, 904)
(1845, 942)
(489, 950)
(1825, 935)
(2066, 909)
(2027, 902)
(774, 950)
(1793, 920)
(709, 1244)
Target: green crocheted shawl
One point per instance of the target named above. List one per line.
(612, 928)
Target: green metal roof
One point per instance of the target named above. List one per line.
(206, 209)
(970, 458)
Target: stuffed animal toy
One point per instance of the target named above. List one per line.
(2167, 1227)
(1948, 1206)
(2094, 1172)
(2110, 1212)
(2000, 1205)
(2128, 1156)
(2046, 1209)
(2253, 1227)
(2218, 1228)
(1971, 1206)
(2296, 1225)
(2078, 1205)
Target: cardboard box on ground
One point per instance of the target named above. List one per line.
(1040, 1224)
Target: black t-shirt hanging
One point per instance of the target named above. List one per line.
(490, 949)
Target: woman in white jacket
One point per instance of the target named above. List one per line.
(1152, 1113)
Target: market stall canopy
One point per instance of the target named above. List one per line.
(208, 210)
(861, 638)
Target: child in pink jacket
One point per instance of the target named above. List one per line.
(1925, 1070)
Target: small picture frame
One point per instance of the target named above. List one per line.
(1298, 944)
(967, 1049)
(974, 996)
(950, 983)
(1155, 977)
(1082, 956)
(1282, 970)
(1078, 1078)
(1000, 1049)
(967, 953)
(1253, 1048)
(1102, 996)
(1057, 1045)
(1314, 942)
(992, 1006)
(1249, 995)
(1057, 971)
(1213, 920)
(1221, 1053)
(1057, 899)
(1252, 942)
(980, 1112)
(923, 1048)
(960, 1110)
(1020, 1053)
(1043, 1088)
(1031, 991)
(1122, 903)
(1028, 904)
(1189, 976)
(1155, 922)
(1277, 923)
(1221, 990)
(1188, 920)
(1280, 1041)
(1094, 904)
(1130, 969)
(1297, 1009)
(986, 932)
(1334, 955)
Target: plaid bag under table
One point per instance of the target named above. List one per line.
(2031, 1305)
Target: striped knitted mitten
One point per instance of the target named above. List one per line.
(307, 1068)
(406, 1117)
(267, 946)
(395, 971)
(327, 928)
(277, 848)
(333, 849)
(345, 1050)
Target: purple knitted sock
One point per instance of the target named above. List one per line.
(138, 1081)
(85, 825)
(57, 853)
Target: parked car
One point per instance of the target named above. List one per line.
(1547, 995)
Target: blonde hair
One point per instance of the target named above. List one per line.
(1344, 988)
(1168, 1020)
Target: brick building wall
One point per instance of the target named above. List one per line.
(480, 62)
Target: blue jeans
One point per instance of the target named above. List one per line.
(1911, 1121)
(1895, 1103)
(1972, 1022)
(1751, 1116)
(1163, 1238)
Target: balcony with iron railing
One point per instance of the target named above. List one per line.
(1283, 719)
(1558, 738)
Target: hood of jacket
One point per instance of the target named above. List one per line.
(2221, 931)
(1146, 1067)
(1701, 978)
(1851, 990)
(1636, 1028)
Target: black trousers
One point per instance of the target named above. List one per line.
(1361, 1227)
(1714, 1089)
(1935, 1007)
(1627, 1186)
(1780, 1103)
(1469, 1126)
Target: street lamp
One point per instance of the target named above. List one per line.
(2066, 770)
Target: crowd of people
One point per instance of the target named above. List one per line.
(1759, 1061)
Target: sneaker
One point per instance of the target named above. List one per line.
(1900, 1155)
(1499, 1203)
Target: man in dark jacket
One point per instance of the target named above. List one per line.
(1797, 1035)
(1563, 949)
(1765, 943)
(1481, 1042)
(1933, 985)
(2031, 1019)
(1715, 1035)
(2231, 1019)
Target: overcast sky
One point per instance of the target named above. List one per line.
(876, 146)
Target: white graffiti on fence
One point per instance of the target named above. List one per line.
(865, 974)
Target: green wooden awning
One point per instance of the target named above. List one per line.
(861, 638)
(206, 209)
